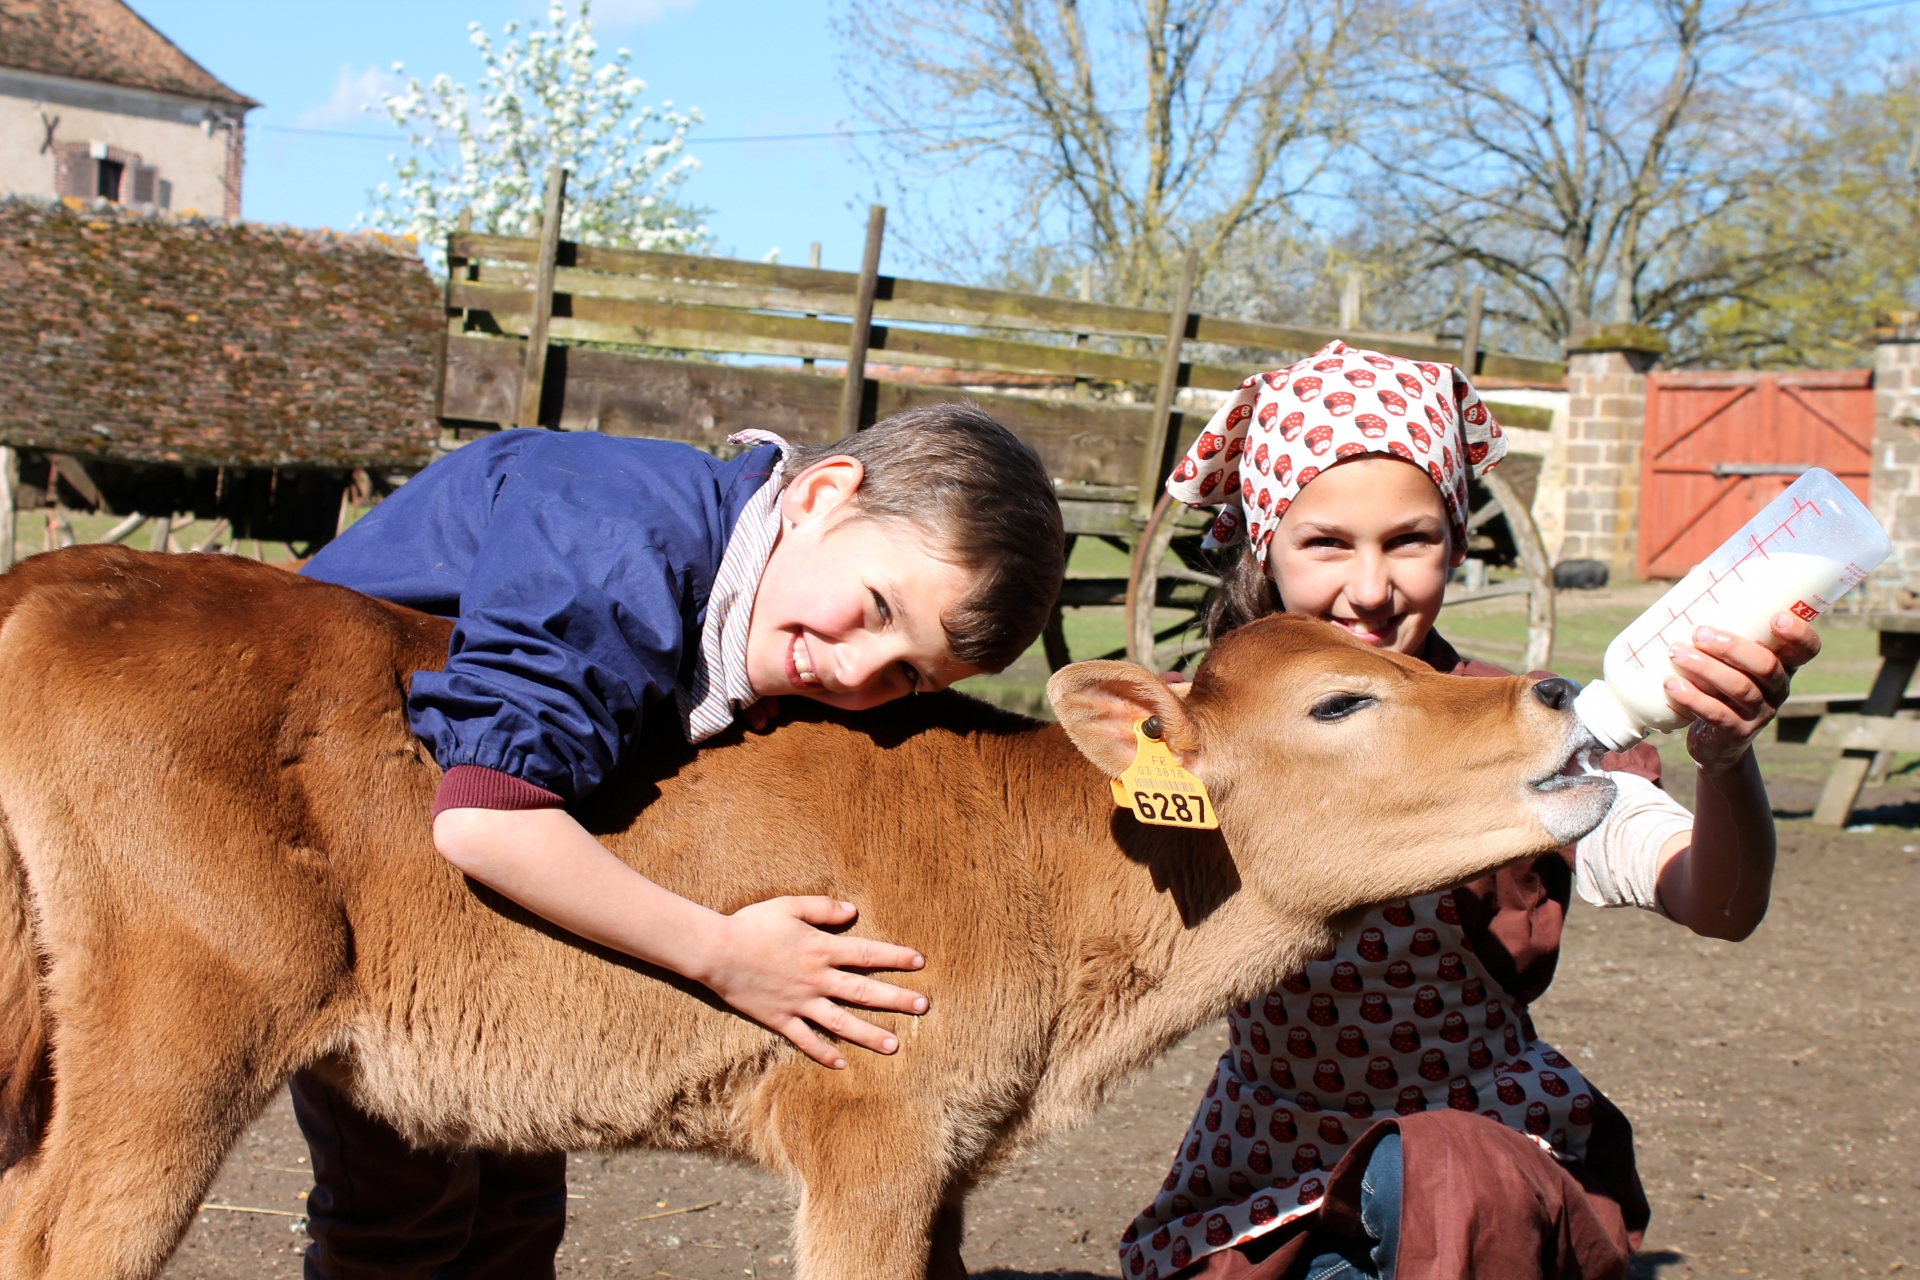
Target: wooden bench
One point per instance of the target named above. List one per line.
(1861, 727)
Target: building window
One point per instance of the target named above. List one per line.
(94, 170)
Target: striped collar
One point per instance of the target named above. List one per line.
(718, 687)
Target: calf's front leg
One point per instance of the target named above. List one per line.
(875, 1174)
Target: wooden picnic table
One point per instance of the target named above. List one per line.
(1867, 728)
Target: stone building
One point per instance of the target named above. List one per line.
(96, 104)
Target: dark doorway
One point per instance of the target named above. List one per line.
(110, 171)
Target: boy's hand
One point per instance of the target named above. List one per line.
(1733, 687)
(781, 971)
(763, 715)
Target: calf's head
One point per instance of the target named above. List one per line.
(1344, 776)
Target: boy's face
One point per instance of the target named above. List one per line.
(1365, 547)
(848, 611)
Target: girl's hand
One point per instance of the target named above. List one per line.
(763, 715)
(1733, 687)
(773, 965)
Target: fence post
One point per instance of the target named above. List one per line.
(1350, 297)
(9, 497)
(455, 318)
(813, 264)
(1154, 459)
(862, 322)
(1894, 486)
(1606, 425)
(535, 377)
(1470, 335)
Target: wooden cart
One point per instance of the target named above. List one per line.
(575, 337)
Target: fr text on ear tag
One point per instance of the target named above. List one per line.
(1158, 789)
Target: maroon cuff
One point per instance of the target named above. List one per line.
(472, 786)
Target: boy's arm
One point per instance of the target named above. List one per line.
(1718, 880)
(767, 960)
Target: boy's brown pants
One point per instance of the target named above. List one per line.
(382, 1210)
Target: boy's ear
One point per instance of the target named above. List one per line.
(822, 489)
(1099, 703)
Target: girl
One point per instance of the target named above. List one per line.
(1390, 1106)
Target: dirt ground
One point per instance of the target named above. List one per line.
(1771, 1084)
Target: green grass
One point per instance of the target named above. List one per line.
(1587, 621)
(29, 535)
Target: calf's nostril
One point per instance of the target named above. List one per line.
(1556, 693)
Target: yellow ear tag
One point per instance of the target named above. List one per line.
(1159, 790)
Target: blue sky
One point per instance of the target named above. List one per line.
(753, 67)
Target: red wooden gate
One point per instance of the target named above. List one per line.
(1719, 446)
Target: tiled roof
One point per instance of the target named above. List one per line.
(151, 338)
(105, 41)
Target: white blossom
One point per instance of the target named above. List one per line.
(541, 101)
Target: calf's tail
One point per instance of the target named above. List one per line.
(25, 1081)
(25, 1078)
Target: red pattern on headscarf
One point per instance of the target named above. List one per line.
(1284, 427)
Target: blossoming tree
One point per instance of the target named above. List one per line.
(541, 101)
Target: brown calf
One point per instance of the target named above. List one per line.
(218, 868)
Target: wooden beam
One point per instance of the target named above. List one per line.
(1469, 357)
(162, 533)
(9, 499)
(1152, 470)
(453, 319)
(1083, 442)
(122, 531)
(1867, 733)
(536, 378)
(802, 290)
(75, 473)
(856, 379)
(689, 328)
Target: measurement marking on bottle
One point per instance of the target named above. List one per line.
(1759, 548)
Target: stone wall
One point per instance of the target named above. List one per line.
(1895, 483)
(1606, 423)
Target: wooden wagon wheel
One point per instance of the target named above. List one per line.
(1145, 642)
(1152, 582)
(1536, 569)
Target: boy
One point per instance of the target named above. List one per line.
(594, 578)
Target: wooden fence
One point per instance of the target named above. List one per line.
(545, 332)
(611, 316)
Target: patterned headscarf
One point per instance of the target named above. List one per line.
(1281, 429)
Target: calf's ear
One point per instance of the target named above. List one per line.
(1099, 703)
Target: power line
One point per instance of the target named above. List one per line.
(962, 126)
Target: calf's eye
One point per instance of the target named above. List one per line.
(1338, 706)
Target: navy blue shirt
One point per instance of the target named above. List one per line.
(579, 567)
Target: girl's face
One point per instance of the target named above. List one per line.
(1365, 547)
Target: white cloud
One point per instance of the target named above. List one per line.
(353, 92)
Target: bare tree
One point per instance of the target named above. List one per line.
(1851, 183)
(1116, 131)
(1581, 153)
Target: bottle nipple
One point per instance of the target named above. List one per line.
(1597, 708)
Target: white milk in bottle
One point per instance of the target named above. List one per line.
(1805, 549)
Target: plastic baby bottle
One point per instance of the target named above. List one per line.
(1806, 549)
